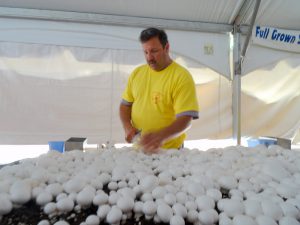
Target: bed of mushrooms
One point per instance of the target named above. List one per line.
(233, 185)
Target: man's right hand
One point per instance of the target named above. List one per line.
(130, 132)
(125, 116)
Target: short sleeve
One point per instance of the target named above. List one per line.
(127, 96)
(185, 98)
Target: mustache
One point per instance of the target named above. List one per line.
(151, 61)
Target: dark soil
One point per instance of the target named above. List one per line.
(31, 214)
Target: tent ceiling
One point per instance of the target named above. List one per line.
(281, 14)
(190, 10)
(213, 11)
(276, 13)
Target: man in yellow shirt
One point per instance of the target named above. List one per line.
(160, 97)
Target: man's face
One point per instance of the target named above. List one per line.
(156, 55)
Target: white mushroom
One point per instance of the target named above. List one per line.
(228, 182)
(265, 220)
(231, 207)
(113, 198)
(127, 192)
(44, 222)
(215, 194)
(65, 205)
(253, 208)
(164, 212)
(170, 199)
(92, 220)
(149, 209)
(74, 185)
(208, 217)
(138, 207)
(61, 222)
(61, 196)
(146, 197)
(100, 199)
(224, 219)
(114, 216)
(195, 189)
(102, 211)
(177, 220)
(158, 192)
(5, 205)
(290, 210)
(54, 189)
(191, 205)
(44, 198)
(275, 169)
(126, 204)
(50, 208)
(122, 184)
(205, 202)
(192, 216)
(271, 209)
(242, 219)
(181, 197)
(148, 183)
(180, 210)
(113, 185)
(85, 197)
(20, 192)
(288, 221)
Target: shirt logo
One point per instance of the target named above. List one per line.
(156, 98)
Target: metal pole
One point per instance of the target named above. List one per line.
(236, 87)
(238, 60)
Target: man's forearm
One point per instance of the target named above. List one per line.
(179, 126)
(125, 115)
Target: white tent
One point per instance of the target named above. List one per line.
(63, 66)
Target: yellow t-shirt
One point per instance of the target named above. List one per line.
(157, 98)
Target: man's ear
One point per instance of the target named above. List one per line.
(167, 47)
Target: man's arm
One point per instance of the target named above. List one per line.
(151, 142)
(125, 116)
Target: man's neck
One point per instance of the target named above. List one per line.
(168, 63)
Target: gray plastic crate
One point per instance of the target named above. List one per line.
(75, 143)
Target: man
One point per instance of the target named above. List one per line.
(160, 97)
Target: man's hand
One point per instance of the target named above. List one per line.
(125, 116)
(130, 132)
(151, 142)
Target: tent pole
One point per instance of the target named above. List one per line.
(236, 87)
(238, 60)
(257, 3)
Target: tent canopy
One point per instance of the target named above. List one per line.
(274, 13)
(63, 65)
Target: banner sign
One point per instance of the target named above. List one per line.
(286, 40)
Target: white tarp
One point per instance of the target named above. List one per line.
(61, 80)
(270, 92)
(192, 45)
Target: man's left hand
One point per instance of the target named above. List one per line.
(151, 142)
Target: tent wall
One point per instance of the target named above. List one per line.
(59, 80)
(258, 57)
(270, 93)
(115, 37)
(215, 99)
(53, 92)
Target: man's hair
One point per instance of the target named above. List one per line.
(152, 32)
